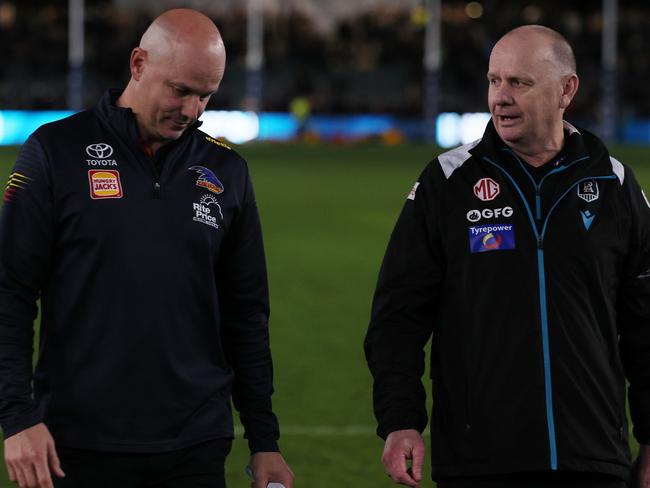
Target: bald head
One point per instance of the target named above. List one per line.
(175, 70)
(558, 46)
(180, 32)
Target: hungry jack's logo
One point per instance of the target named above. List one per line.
(104, 183)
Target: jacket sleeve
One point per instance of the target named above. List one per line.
(634, 310)
(25, 250)
(403, 311)
(244, 302)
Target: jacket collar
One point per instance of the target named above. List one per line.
(123, 121)
(583, 149)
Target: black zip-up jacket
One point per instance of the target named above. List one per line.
(537, 299)
(153, 288)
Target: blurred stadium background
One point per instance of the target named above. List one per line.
(337, 105)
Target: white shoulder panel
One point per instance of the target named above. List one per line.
(454, 159)
(618, 169)
(570, 128)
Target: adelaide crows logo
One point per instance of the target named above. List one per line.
(207, 179)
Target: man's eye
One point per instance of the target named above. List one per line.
(180, 91)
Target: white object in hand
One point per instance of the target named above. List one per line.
(249, 472)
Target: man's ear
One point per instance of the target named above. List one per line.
(569, 88)
(137, 63)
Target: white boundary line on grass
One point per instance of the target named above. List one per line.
(334, 430)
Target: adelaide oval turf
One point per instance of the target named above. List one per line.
(327, 213)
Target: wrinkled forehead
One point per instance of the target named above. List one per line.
(519, 54)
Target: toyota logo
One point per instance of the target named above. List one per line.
(99, 151)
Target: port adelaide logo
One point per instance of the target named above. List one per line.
(588, 190)
(100, 155)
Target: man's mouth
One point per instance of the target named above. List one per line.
(506, 119)
(181, 124)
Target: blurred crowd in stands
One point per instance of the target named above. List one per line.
(371, 63)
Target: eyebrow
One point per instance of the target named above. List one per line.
(511, 77)
(183, 87)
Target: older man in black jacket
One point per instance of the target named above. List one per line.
(526, 257)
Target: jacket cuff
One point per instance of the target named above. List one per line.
(263, 445)
(400, 420)
(384, 430)
(22, 423)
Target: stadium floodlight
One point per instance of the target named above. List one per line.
(76, 15)
(431, 62)
(609, 101)
(254, 55)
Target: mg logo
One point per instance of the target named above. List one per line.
(99, 151)
(486, 189)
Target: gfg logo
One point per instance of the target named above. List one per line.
(99, 151)
(488, 213)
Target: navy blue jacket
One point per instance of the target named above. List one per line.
(537, 298)
(153, 288)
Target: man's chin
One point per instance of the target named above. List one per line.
(509, 135)
(173, 133)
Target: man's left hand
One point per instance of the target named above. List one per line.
(270, 467)
(643, 466)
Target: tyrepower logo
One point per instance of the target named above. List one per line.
(104, 184)
(489, 213)
(486, 189)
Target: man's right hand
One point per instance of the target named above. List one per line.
(30, 455)
(400, 446)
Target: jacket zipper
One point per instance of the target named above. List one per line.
(539, 236)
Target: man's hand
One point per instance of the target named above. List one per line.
(30, 455)
(643, 467)
(270, 467)
(400, 446)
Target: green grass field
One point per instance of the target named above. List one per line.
(327, 213)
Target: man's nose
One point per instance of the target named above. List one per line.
(502, 94)
(191, 108)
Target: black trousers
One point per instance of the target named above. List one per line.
(545, 479)
(199, 466)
